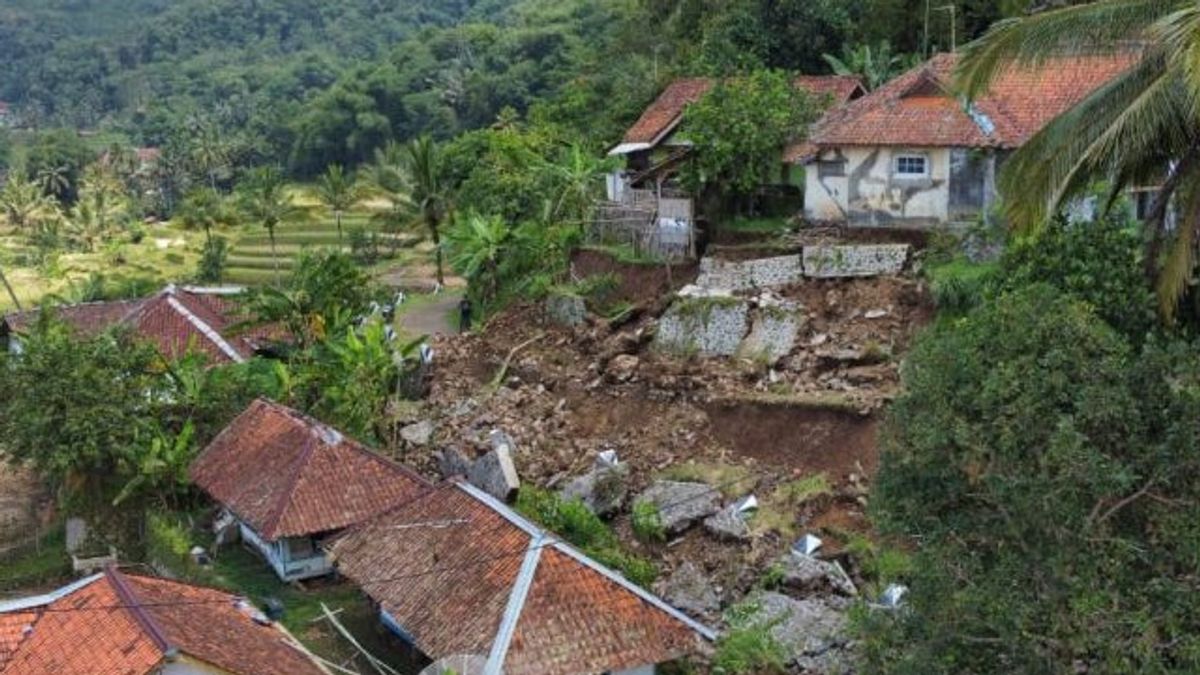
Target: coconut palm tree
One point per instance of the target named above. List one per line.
(24, 202)
(265, 199)
(337, 190)
(409, 176)
(1139, 129)
(579, 176)
(477, 244)
(875, 65)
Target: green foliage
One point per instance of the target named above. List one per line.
(748, 646)
(740, 127)
(578, 525)
(56, 160)
(212, 260)
(39, 564)
(960, 285)
(1099, 262)
(647, 522)
(873, 65)
(169, 543)
(1048, 472)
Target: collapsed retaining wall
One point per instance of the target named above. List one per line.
(727, 326)
(772, 334)
(819, 262)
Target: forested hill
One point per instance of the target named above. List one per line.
(81, 61)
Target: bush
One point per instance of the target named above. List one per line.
(169, 544)
(212, 260)
(1048, 472)
(647, 522)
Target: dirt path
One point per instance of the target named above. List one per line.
(431, 315)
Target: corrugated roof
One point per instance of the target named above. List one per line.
(287, 475)
(455, 555)
(918, 108)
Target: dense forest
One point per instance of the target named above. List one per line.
(304, 83)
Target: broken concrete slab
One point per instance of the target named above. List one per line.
(772, 334)
(704, 326)
(831, 262)
(813, 632)
(690, 590)
(740, 275)
(495, 473)
(679, 505)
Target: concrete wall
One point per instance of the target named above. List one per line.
(741, 275)
(859, 185)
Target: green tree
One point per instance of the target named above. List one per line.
(874, 65)
(578, 177)
(1047, 474)
(338, 191)
(23, 202)
(740, 128)
(266, 200)
(430, 198)
(56, 159)
(1137, 130)
(477, 244)
(204, 209)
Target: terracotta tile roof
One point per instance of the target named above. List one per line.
(172, 319)
(286, 475)
(466, 550)
(667, 110)
(14, 628)
(120, 624)
(917, 108)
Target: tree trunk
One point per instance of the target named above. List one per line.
(274, 257)
(1157, 218)
(12, 294)
(437, 250)
(337, 216)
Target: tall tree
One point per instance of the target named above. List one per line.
(23, 202)
(429, 195)
(1138, 130)
(266, 200)
(337, 190)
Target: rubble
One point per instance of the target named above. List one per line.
(451, 462)
(566, 309)
(622, 367)
(495, 473)
(418, 434)
(680, 504)
(690, 590)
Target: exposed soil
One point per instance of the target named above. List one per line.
(801, 438)
(639, 283)
(21, 499)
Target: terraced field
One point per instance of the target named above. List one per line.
(250, 261)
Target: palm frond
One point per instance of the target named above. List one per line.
(1031, 40)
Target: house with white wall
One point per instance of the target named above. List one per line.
(914, 154)
(116, 622)
(288, 483)
(475, 587)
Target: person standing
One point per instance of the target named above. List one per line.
(464, 315)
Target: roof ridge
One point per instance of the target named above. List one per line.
(272, 523)
(140, 615)
(204, 327)
(515, 606)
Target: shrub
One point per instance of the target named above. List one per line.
(647, 522)
(748, 646)
(212, 260)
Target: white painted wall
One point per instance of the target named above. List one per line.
(869, 192)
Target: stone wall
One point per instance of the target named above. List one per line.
(829, 262)
(747, 274)
(704, 326)
(772, 335)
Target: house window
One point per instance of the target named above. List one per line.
(300, 548)
(912, 166)
(831, 168)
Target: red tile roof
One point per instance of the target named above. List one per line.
(447, 567)
(121, 624)
(287, 475)
(667, 110)
(917, 108)
(173, 319)
(14, 628)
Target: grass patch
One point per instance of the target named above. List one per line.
(881, 565)
(777, 510)
(647, 523)
(33, 566)
(757, 225)
(959, 284)
(732, 480)
(748, 646)
(574, 522)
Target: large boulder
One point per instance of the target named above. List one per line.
(728, 524)
(602, 490)
(452, 462)
(812, 632)
(495, 473)
(813, 576)
(690, 590)
(566, 309)
(418, 434)
(679, 505)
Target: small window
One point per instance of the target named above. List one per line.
(831, 168)
(912, 166)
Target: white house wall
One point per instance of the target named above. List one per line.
(868, 193)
